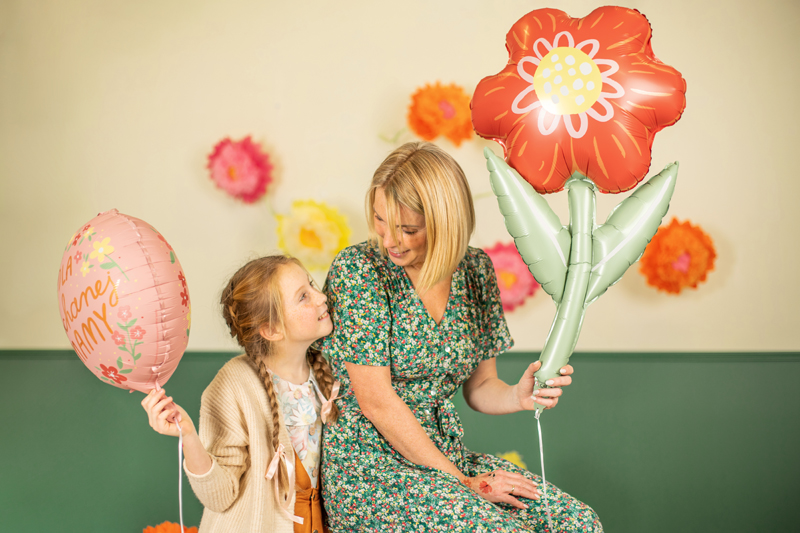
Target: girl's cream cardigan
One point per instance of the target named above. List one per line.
(236, 430)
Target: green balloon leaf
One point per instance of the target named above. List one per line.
(620, 242)
(542, 241)
(119, 362)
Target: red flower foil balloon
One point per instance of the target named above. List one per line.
(123, 301)
(579, 95)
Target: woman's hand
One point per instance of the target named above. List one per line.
(162, 414)
(502, 486)
(548, 397)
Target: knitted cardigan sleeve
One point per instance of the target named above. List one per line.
(223, 432)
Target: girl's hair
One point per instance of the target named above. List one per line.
(251, 300)
(426, 180)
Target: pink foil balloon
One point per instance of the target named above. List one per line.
(124, 302)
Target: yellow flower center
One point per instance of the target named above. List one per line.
(232, 173)
(508, 279)
(567, 81)
(310, 239)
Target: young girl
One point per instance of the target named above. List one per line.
(255, 464)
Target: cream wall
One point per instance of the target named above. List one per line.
(112, 103)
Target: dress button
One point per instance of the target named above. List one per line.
(316, 531)
(447, 349)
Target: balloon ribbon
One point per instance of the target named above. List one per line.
(544, 481)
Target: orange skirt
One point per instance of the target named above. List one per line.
(308, 502)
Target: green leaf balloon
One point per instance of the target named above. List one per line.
(538, 234)
(621, 241)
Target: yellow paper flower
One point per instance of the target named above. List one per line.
(101, 250)
(85, 268)
(513, 457)
(313, 232)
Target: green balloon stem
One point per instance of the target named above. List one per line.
(570, 311)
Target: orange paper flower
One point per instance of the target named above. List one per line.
(679, 256)
(169, 527)
(440, 110)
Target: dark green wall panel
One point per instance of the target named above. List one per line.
(654, 442)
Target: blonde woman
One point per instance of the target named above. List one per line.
(416, 315)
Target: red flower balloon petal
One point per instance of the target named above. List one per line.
(579, 95)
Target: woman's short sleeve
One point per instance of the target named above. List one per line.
(496, 338)
(359, 307)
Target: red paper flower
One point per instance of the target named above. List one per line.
(584, 95)
(182, 278)
(440, 110)
(240, 168)
(184, 298)
(137, 333)
(513, 277)
(111, 373)
(679, 256)
(118, 338)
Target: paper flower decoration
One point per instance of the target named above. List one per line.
(513, 277)
(513, 457)
(679, 256)
(584, 95)
(313, 232)
(169, 527)
(440, 110)
(240, 168)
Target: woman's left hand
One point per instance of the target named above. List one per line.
(547, 397)
(502, 486)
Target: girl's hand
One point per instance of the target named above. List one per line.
(547, 398)
(162, 413)
(502, 486)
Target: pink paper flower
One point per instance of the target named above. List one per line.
(137, 333)
(513, 277)
(241, 168)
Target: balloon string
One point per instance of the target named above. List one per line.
(180, 476)
(544, 481)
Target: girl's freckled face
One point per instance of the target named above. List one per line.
(413, 245)
(305, 311)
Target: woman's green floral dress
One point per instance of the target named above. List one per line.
(380, 321)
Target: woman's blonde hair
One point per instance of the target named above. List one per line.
(425, 179)
(251, 300)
